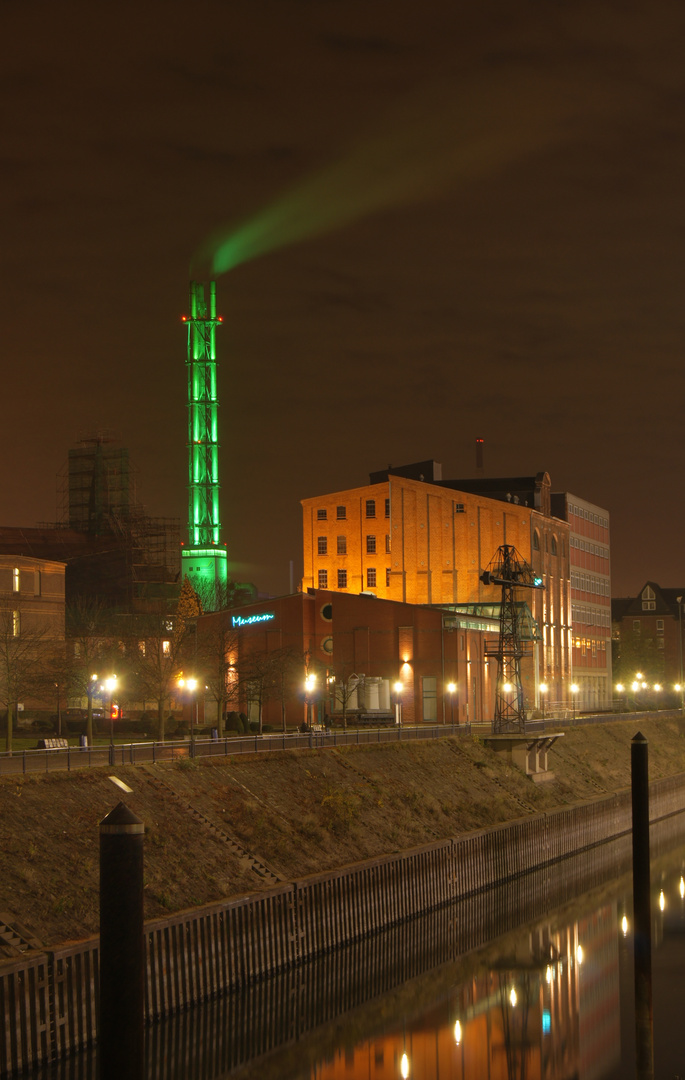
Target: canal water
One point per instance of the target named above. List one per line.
(532, 980)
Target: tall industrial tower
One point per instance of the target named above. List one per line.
(204, 560)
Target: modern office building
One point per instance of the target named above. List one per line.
(590, 567)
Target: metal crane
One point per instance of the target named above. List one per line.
(510, 570)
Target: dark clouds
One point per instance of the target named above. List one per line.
(516, 274)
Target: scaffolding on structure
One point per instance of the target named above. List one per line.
(132, 557)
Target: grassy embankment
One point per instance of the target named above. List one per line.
(299, 811)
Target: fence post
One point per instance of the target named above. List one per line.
(122, 946)
(642, 937)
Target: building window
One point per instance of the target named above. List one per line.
(387, 508)
(341, 513)
(660, 643)
(321, 514)
(342, 579)
(387, 577)
(536, 540)
(322, 545)
(16, 623)
(370, 508)
(16, 579)
(371, 545)
(323, 579)
(429, 691)
(459, 508)
(636, 626)
(554, 545)
(342, 545)
(659, 626)
(166, 648)
(36, 582)
(371, 578)
(141, 648)
(649, 605)
(327, 645)
(387, 543)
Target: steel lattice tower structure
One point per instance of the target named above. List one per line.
(511, 571)
(205, 560)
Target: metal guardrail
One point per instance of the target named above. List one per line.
(25, 762)
(77, 757)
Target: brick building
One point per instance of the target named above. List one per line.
(648, 638)
(412, 537)
(371, 643)
(31, 626)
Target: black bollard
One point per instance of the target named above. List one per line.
(121, 1030)
(642, 916)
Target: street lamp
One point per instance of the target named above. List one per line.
(309, 687)
(451, 690)
(619, 690)
(543, 694)
(574, 691)
(398, 687)
(110, 684)
(657, 691)
(191, 686)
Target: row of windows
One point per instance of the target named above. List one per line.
(536, 543)
(586, 583)
(588, 515)
(592, 549)
(588, 617)
(637, 626)
(586, 645)
(322, 545)
(371, 578)
(341, 511)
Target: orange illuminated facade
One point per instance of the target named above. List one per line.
(411, 537)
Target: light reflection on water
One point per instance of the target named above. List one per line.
(549, 999)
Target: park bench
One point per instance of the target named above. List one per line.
(52, 744)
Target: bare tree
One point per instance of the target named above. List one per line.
(92, 644)
(218, 650)
(22, 661)
(343, 684)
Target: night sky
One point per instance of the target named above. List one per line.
(444, 221)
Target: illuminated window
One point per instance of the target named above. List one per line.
(342, 579)
(323, 579)
(321, 514)
(166, 648)
(387, 508)
(141, 647)
(341, 513)
(16, 623)
(387, 577)
(371, 545)
(16, 579)
(370, 508)
(371, 578)
(387, 544)
(322, 545)
(342, 545)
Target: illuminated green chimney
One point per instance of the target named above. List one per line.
(204, 559)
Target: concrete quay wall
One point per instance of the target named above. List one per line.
(49, 1000)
